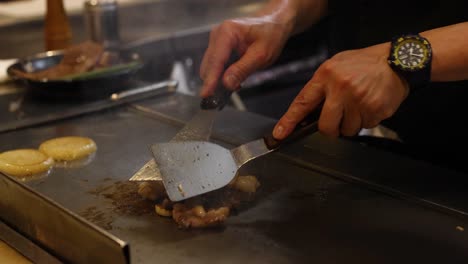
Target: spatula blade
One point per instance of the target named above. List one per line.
(149, 172)
(192, 168)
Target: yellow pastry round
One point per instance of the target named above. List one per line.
(24, 162)
(68, 148)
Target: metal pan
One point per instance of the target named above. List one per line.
(93, 87)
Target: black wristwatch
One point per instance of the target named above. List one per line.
(411, 57)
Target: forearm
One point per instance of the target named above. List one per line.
(449, 52)
(297, 14)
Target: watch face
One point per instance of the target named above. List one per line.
(411, 53)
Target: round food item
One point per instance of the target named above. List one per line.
(73, 164)
(24, 162)
(248, 184)
(68, 148)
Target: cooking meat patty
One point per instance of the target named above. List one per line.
(208, 210)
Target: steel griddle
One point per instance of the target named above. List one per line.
(300, 215)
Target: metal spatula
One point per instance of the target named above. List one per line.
(192, 168)
(197, 129)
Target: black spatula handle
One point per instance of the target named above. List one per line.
(221, 95)
(306, 127)
(218, 100)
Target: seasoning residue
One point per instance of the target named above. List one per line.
(100, 218)
(124, 200)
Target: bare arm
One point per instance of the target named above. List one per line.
(449, 52)
(300, 14)
(360, 89)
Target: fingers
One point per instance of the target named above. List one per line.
(222, 43)
(369, 122)
(335, 119)
(330, 117)
(306, 101)
(256, 57)
(351, 122)
(375, 110)
(208, 51)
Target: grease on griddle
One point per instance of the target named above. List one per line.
(124, 200)
(101, 218)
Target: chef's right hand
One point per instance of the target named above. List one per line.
(258, 42)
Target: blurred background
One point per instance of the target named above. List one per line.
(172, 36)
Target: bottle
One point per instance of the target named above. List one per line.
(102, 23)
(57, 30)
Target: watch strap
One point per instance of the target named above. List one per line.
(415, 78)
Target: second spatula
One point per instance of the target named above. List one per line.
(197, 129)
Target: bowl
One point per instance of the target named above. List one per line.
(96, 84)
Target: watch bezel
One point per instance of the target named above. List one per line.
(393, 60)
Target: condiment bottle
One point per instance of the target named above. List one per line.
(102, 23)
(57, 30)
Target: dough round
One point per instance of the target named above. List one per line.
(68, 148)
(24, 162)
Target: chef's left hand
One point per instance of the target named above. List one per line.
(359, 90)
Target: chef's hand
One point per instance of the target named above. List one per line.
(258, 42)
(359, 90)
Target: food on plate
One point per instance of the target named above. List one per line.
(76, 59)
(208, 210)
(68, 148)
(80, 59)
(25, 162)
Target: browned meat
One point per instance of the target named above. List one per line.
(76, 59)
(208, 210)
(152, 190)
(164, 208)
(197, 216)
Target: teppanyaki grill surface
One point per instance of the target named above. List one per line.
(298, 216)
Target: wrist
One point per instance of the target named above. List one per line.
(281, 12)
(411, 57)
(307, 13)
(294, 15)
(381, 53)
